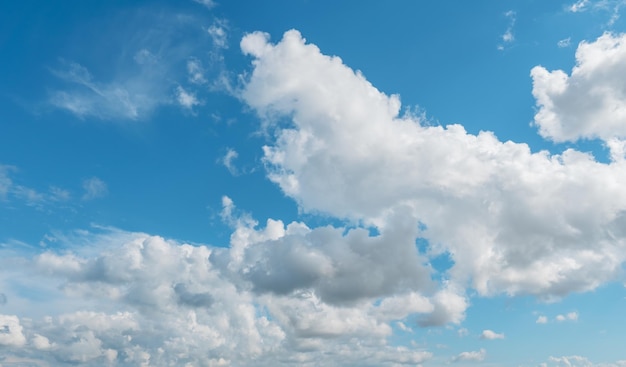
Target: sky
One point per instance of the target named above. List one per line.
(313, 183)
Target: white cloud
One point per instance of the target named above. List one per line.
(572, 316)
(475, 356)
(491, 335)
(228, 161)
(186, 99)
(503, 214)
(579, 361)
(613, 7)
(219, 33)
(131, 98)
(11, 331)
(564, 42)
(195, 71)
(94, 188)
(131, 298)
(139, 77)
(542, 320)
(208, 3)
(463, 332)
(589, 103)
(508, 36)
(10, 190)
(579, 6)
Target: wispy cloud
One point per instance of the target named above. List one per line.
(148, 72)
(94, 188)
(579, 6)
(126, 98)
(207, 3)
(229, 161)
(10, 190)
(187, 100)
(219, 33)
(612, 7)
(564, 42)
(508, 37)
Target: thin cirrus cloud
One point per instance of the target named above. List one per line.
(94, 188)
(148, 72)
(130, 98)
(11, 190)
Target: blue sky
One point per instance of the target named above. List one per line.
(245, 183)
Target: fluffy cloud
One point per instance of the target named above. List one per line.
(186, 99)
(120, 298)
(572, 316)
(491, 335)
(590, 102)
(503, 213)
(11, 332)
(475, 356)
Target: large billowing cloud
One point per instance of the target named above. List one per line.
(513, 220)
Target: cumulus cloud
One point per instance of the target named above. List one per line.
(491, 335)
(589, 103)
(11, 331)
(475, 356)
(126, 298)
(502, 213)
